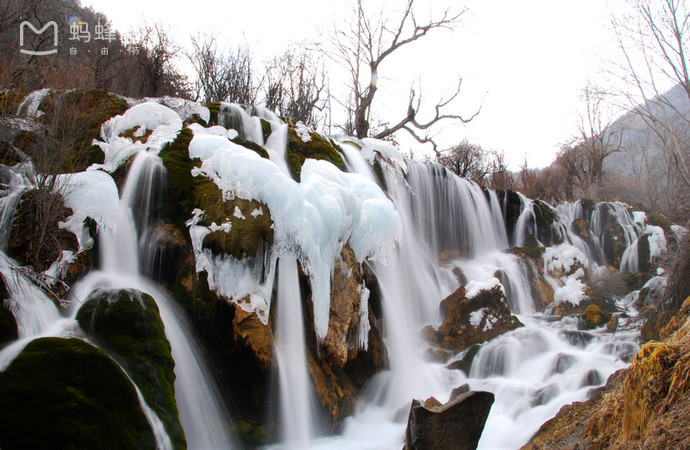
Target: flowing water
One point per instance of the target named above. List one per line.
(296, 397)
(448, 224)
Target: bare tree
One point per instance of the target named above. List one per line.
(582, 160)
(153, 51)
(365, 44)
(222, 76)
(294, 85)
(655, 43)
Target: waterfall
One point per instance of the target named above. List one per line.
(202, 414)
(296, 416)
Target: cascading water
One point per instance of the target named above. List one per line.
(203, 417)
(450, 226)
(296, 417)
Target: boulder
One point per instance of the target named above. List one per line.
(613, 242)
(456, 425)
(65, 393)
(127, 323)
(473, 320)
(594, 316)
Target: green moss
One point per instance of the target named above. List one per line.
(251, 146)
(265, 128)
(530, 242)
(65, 393)
(246, 236)
(181, 199)
(214, 108)
(581, 228)
(127, 324)
(317, 148)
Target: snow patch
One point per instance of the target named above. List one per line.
(89, 194)
(312, 219)
(163, 121)
(477, 316)
(303, 132)
(473, 288)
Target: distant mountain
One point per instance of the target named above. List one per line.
(638, 137)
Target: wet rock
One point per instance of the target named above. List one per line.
(644, 263)
(612, 324)
(253, 334)
(613, 243)
(546, 217)
(456, 425)
(465, 362)
(65, 393)
(578, 338)
(127, 323)
(340, 343)
(562, 363)
(580, 227)
(592, 378)
(474, 320)
(533, 261)
(545, 395)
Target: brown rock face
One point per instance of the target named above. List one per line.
(338, 366)
(253, 334)
(457, 425)
(340, 343)
(472, 320)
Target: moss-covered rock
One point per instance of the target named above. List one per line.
(92, 108)
(181, 198)
(594, 316)
(65, 393)
(316, 147)
(127, 323)
(251, 227)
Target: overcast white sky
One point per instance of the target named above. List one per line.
(529, 58)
